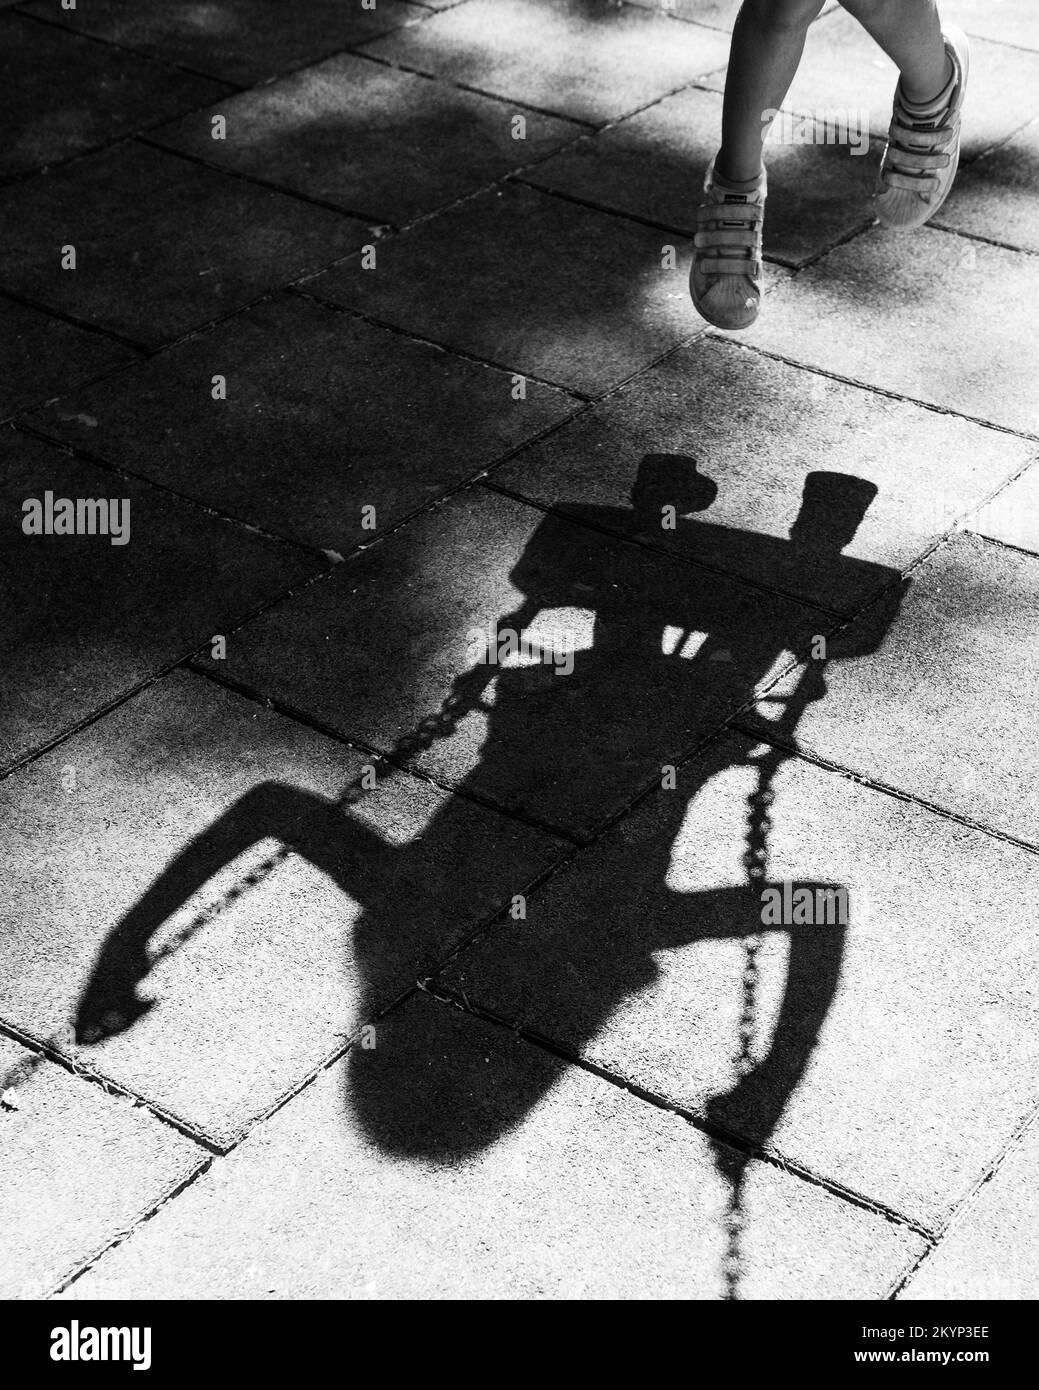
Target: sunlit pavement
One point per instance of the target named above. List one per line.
(516, 793)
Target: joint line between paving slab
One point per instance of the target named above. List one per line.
(38, 751)
(234, 88)
(220, 1152)
(842, 239)
(444, 995)
(325, 572)
(962, 1209)
(565, 196)
(46, 1048)
(964, 235)
(106, 147)
(808, 755)
(397, 66)
(37, 431)
(142, 55)
(813, 367)
(67, 1280)
(34, 407)
(997, 542)
(416, 337)
(257, 180)
(375, 754)
(85, 325)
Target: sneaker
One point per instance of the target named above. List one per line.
(727, 278)
(922, 154)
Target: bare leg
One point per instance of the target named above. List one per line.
(910, 33)
(767, 42)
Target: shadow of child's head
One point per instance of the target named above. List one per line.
(671, 480)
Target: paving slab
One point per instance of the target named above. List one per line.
(64, 94)
(990, 1252)
(894, 1054)
(994, 198)
(781, 424)
(938, 712)
(1007, 21)
(216, 1024)
(651, 166)
(1012, 516)
(239, 40)
(44, 356)
(843, 69)
(590, 62)
(365, 136)
(324, 415)
(60, 1147)
(162, 244)
(872, 310)
(716, 14)
(596, 1195)
(85, 620)
(618, 658)
(563, 292)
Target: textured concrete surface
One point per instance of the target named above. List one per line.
(1010, 21)
(564, 292)
(162, 244)
(367, 137)
(651, 166)
(716, 14)
(633, 957)
(593, 63)
(874, 308)
(83, 621)
(623, 1198)
(991, 1251)
(241, 1013)
(63, 94)
(373, 672)
(45, 356)
(238, 40)
(1012, 516)
(995, 198)
(940, 711)
(516, 384)
(341, 417)
(928, 469)
(62, 1140)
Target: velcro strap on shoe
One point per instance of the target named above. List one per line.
(735, 237)
(908, 160)
(729, 265)
(915, 183)
(742, 213)
(917, 135)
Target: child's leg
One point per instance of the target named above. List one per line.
(910, 33)
(726, 278)
(923, 149)
(767, 42)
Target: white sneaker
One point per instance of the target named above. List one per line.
(727, 276)
(920, 161)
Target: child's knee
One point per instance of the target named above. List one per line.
(781, 14)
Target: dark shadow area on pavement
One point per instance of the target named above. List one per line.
(431, 1107)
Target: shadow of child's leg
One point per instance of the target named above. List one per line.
(305, 823)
